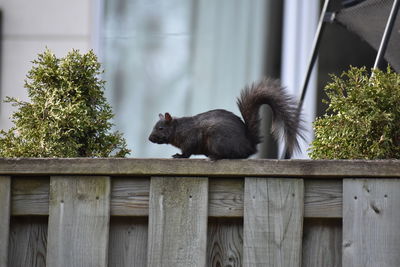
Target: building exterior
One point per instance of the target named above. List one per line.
(176, 56)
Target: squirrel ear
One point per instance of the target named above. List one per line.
(168, 116)
(161, 116)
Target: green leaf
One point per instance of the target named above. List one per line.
(67, 116)
(364, 117)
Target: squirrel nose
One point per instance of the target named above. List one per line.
(151, 138)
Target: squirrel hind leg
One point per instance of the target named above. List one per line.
(212, 158)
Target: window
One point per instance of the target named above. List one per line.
(179, 56)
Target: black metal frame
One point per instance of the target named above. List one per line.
(314, 54)
(387, 33)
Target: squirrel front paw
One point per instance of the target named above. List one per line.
(179, 156)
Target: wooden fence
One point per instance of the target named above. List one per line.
(154, 212)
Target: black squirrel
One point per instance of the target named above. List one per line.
(220, 134)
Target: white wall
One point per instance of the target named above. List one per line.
(300, 23)
(31, 26)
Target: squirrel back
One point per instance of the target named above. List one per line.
(221, 134)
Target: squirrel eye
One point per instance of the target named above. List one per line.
(160, 128)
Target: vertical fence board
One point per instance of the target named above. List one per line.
(177, 222)
(79, 214)
(128, 242)
(273, 221)
(5, 192)
(322, 243)
(371, 222)
(225, 243)
(28, 241)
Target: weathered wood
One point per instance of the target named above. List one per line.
(5, 196)
(323, 198)
(177, 222)
(78, 221)
(130, 196)
(30, 196)
(128, 242)
(225, 198)
(225, 244)
(371, 222)
(199, 167)
(273, 222)
(322, 243)
(28, 241)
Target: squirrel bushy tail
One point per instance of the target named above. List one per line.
(286, 117)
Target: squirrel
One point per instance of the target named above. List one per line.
(220, 134)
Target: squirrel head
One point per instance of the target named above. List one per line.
(163, 129)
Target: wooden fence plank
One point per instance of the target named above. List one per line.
(371, 222)
(177, 222)
(28, 241)
(322, 243)
(30, 196)
(128, 242)
(5, 193)
(323, 198)
(225, 197)
(225, 243)
(130, 197)
(78, 221)
(273, 222)
(199, 167)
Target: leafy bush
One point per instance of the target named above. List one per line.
(365, 117)
(68, 115)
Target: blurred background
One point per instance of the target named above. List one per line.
(178, 56)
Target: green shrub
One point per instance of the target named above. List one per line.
(68, 115)
(365, 117)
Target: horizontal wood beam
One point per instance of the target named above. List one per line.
(200, 167)
(130, 197)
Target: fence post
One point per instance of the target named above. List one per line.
(371, 222)
(177, 222)
(5, 195)
(79, 214)
(273, 222)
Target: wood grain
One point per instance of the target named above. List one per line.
(128, 242)
(225, 243)
(322, 243)
(177, 222)
(371, 222)
(30, 196)
(323, 198)
(198, 167)
(130, 196)
(28, 241)
(78, 221)
(226, 197)
(5, 197)
(273, 222)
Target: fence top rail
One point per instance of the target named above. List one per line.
(200, 167)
